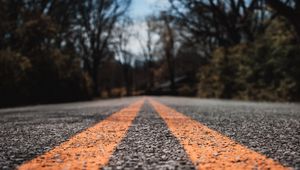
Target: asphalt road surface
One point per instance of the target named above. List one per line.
(151, 133)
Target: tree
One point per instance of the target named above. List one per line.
(290, 9)
(123, 53)
(163, 26)
(209, 24)
(169, 49)
(148, 46)
(97, 20)
(213, 23)
(37, 33)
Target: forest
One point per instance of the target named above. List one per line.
(70, 50)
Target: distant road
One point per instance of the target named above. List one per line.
(151, 133)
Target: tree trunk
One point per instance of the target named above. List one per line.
(128, 82)
(227, 78)
(296, 24)
(96, 84)
(150, 83)
(170, 62)
(95, 77)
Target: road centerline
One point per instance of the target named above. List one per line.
(149, 144)
(209, 149)
(90, 149)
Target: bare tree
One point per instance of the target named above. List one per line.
(163, 25)
(168, 47)
(97, 20)
(148, 46)
(126, 57)
(216, 22)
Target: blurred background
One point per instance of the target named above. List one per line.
(70, 50)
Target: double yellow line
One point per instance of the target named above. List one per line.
(207, 149)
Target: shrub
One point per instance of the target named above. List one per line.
(266, 69)
(52, 77)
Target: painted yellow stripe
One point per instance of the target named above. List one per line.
(90, 149)
(209, 149)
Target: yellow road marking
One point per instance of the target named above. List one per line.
(90, 149)
(209, 149)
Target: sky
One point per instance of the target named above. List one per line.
(141, 8)
(138, 11)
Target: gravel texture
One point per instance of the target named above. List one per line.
(272, 129)
(149, 145)
(30, 131)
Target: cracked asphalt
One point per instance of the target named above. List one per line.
(272, 129)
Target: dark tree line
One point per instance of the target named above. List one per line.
(64, 50)
(229, 49)
(53, 50)
(249, 47)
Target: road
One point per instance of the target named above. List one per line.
(151, 133)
